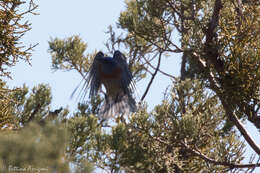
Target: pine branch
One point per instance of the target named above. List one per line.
(215, 86)
(215, 162)
(213, 55)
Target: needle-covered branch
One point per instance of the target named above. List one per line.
(215, 162)
(13, 28)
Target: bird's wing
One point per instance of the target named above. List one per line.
(91, 79)
(127, 77)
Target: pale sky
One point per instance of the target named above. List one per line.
(89, 19)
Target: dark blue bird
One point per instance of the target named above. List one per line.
(117, 79)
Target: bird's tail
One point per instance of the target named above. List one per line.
(119, 105)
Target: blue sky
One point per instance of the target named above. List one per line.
(90, 20)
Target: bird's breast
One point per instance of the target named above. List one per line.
(110, 71)
(110, 77)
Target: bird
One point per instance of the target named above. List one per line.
(114, 74)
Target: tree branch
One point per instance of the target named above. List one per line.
(153, 76)
(211, 49)
(215, 162)
(159, 70)
(240, 126)
(207, 159)
(212, 25)
(212, 55)
(214, 85)
(183, 65)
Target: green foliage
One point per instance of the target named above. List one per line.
(41, 148)
(142, 18)
(45, 144)
(239, 38)
(222, 42)
(68, 54)
(153, 142)
(32, 137)
(188, 132)
(33, 107)
(12, 29)
(190, 126)
(5, 109)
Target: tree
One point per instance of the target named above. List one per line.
(37, 134)
(33, 139)
(219, 46)
(12, 29)
(162, 141)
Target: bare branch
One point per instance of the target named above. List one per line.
(214, 21)
(159, 70)
(153, 76)
(183, 65)
(215, 162)
(240, 126)
(254, 167)
(210, 48)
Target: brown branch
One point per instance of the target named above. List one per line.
(240, 8)
(210, 48)
(183, 65)
(215, 162)
(254, 167)
(166, 37)
(35, 111)
(201, 155)
(214, 85)
(153, 76)
(213, 56)
(159, 70)
(234, 118)
(212, 25)
(240, 126)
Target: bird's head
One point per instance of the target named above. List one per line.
(99, 55)
(117, 53)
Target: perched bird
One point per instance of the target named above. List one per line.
(117, 79)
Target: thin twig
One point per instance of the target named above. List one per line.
(153, 76)
(256, 163)
(159, 70)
